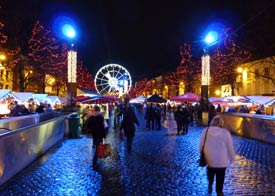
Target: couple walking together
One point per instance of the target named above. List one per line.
(99, 129)
(181, 116)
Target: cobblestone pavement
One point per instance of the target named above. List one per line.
(161, 163)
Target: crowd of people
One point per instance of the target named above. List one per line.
(217, 141)
(256, 109)
(17, 109)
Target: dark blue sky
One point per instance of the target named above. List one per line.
(144, 36)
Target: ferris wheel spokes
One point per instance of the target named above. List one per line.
(113, 78)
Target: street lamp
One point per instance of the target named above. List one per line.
(210, 39)
(2, 58)
(69, 32)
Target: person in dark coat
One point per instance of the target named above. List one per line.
(128, 125)
(17, 110)
(212, 113)
(150, 117)
(219, 108)
(158, 116)
(179, 119)
(186, 115)
(96, 124)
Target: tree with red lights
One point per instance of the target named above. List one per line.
(59, 70)
(225, 60)
(3, 37)
(16, 62)
(186, 72)
(139, 88)
(188, 69)
(172, 78)
(43, 52)
(84, 78)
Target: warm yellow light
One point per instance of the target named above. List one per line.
(72, 60)
(2, 57)
(218, 92)
(52, 80)
(181, 83)
(166, 87)
(205, 72)
(239, 70)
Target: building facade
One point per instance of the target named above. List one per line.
(256, 77)
(253, 78)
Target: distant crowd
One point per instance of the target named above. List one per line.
(21, 110)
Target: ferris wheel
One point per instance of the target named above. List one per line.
(113, 78)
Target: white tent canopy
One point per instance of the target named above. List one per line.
(52, 100)
(139, 99)
(23, 96)
(264, 100)
(5, 93)
(40, 97)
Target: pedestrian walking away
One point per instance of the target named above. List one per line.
(150, 117)
(158, 117)
(179, 119)
(96, 124)
(186, 115)
(128, 126)
(219, 152)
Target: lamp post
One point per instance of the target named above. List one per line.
(2, 58)
(210, 39)
(69, 32)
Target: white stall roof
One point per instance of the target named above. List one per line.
(139, 99)
(23, 96)
(40, 97)
(52, 99)
(6, 92)
(265, 100)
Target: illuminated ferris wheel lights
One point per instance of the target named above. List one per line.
(113, 78)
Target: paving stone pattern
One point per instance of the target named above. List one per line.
(161, 163)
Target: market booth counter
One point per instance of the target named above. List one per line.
(255, 126)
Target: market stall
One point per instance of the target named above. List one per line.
(6, 98)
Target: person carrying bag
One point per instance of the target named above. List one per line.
(202, 160)
(97, 126)
(218, 151)
(103, 150)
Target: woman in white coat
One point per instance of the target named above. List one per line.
(219, 152)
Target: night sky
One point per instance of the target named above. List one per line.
(144, 36)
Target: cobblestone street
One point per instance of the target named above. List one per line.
(161, 163)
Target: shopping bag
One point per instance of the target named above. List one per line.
(107, 150)
(103, 150)
(202, 160)
(100, 151)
